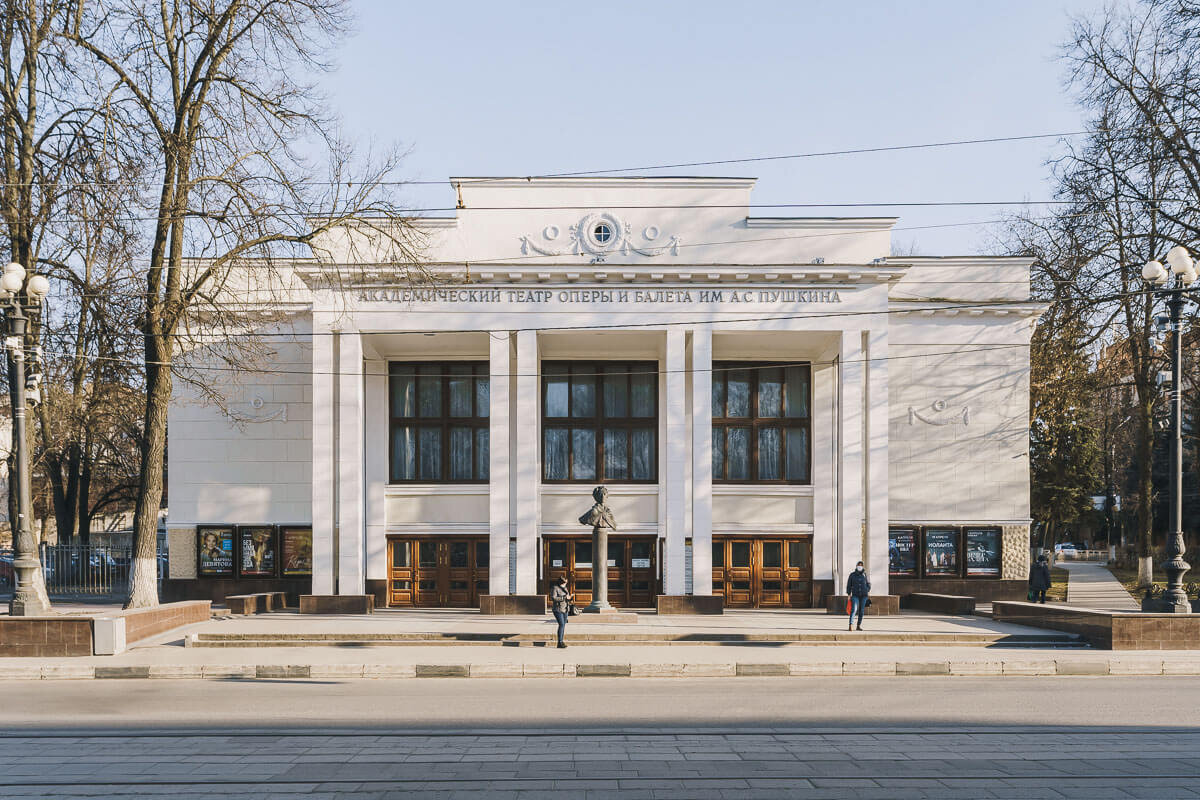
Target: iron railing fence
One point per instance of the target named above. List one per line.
(73, 569)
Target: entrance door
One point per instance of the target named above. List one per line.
(437, 572)
(632, 568)
(763, 572)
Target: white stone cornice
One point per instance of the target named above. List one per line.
(973, 308)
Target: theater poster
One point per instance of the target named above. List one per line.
(941, 551)
(902, 552)
(983, 552)
(297, 550)
(258, 551)
(215, 551)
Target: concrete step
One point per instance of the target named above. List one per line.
(1050, 639)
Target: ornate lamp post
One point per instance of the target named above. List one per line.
(21, 297)
(1175, 600)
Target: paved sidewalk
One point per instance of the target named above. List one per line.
(1093, 586)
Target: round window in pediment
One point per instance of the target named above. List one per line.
(603, 232)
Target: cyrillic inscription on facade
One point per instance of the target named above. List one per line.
(600, 296)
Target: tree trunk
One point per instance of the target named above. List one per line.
(143, 583)
(83, 515)
(1144, 434)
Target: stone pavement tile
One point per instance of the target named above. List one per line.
(59, 672)
(1070, 666)
(1171, 667)
(869, 668)
(389, 671)
(709, 670)
(1135, 666)
(656, 670)
(337, 670)
(227, 671)
(922, 667)
(976, 667)
(546, 671)
(1043, 667)
(824, 668)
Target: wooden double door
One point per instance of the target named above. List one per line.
(437, 571)
(632, 568)
(763, 571)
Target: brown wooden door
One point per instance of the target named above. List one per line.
(632, 570)
(739, 574)
(438, 572)
(643, 578)
(798, 578)
(769, 583)
(401, 573)
(763, 572)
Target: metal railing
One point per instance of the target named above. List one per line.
(72, 569)
(1082, 555)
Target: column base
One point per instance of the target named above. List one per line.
(28, 608)
(1157, 605)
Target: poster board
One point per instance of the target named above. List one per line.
(902, 552)
(214, 551)
(983, 552)
(258, 548)
(295, 543)
(941, 552)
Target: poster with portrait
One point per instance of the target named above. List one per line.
(296, 544)
(902, 552)
(214, 556)
(941, 551)
(983, 552)
(258, 551)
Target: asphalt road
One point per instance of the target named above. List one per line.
(597, 738)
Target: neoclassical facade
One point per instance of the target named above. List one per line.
(768, 400)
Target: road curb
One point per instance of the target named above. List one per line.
(1023, 667)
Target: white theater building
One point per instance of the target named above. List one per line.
(767, 399)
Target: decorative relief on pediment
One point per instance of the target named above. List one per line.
(599, 235)
(939, 408)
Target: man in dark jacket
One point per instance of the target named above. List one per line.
(1039, 579)
(858, 588)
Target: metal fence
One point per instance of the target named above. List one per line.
(72, 569)
(1082, 555)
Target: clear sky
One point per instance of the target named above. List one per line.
(521, 88)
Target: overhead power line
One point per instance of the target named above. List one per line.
(651, 167)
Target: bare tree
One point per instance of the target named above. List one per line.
(40, 128)
(214, 91)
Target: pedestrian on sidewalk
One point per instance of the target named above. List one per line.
(858, 588)
(1039, 580)
(560, 601)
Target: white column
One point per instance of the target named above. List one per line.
(323, 468)
(851, 462)
(500, 368)
(351, 533)
(376, 444)
(675, 461)
(702, 461)
(527, 471)
(824, 469)
(876, 472)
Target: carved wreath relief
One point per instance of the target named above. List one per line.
(599, 235)
(939, 407)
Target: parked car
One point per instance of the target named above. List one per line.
(7, 574)
(1065, 549)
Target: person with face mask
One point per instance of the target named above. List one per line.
(858, 588)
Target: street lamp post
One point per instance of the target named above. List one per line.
(1175, 599)
(21, 297)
